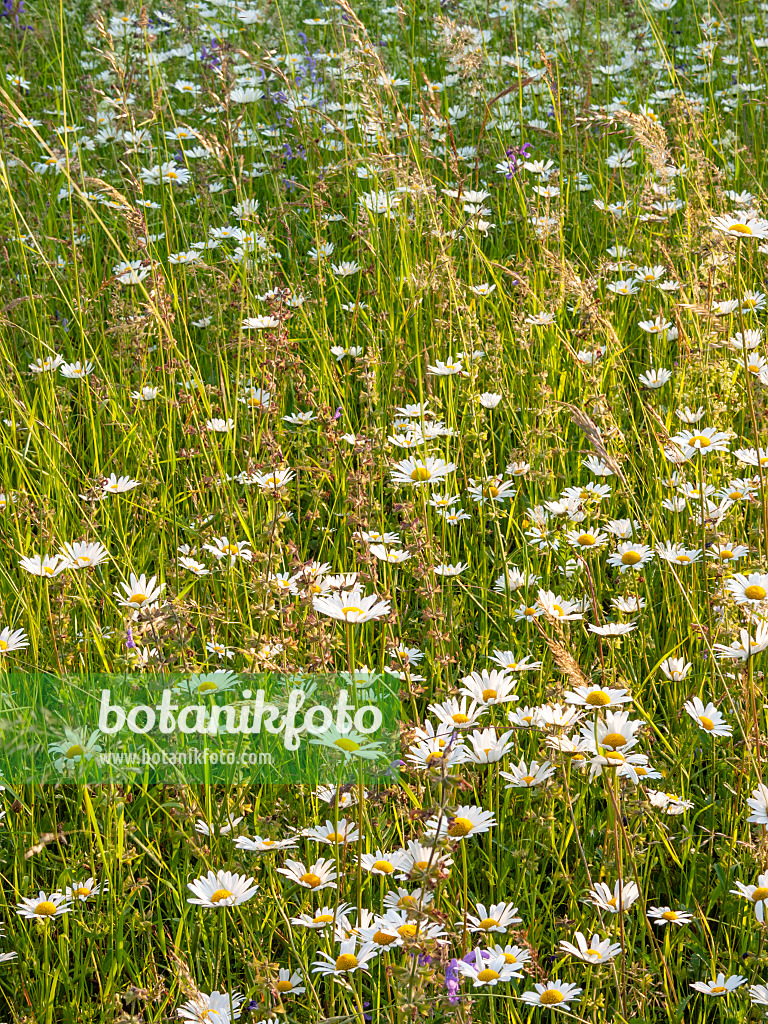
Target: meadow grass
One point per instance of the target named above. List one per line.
(452, 228)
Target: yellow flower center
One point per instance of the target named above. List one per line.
(3, 645)
(551, 997)
(639, 770)
(718, 988)
(343, 743)
(460, 719)
(528, 779)
(726, 554)
(420, 473)
(509, 958)
(669, 915)
(323, 918)
(207, 687)
(383, 938)
(46, 909)
(740, 229)
(75, 751)
(761, 893)
(683, 559)
(335, 837)
(348, 609)
(488, 975)
(701, 440)
(614, 739)
(346, 962)
(310, 879)
(630, 558)
(406, 901)
(284, 986)
(707, 723)
(459, 828)
(612, 901)
(530, 612)
(489, 695)
(220, 894)
(755, 592)
(614, 755)
(138, 598)
(407, 931)
(383, 866)
(597, 699)
(422, 865)
(593, 952)
(488, 923)
(586, 539)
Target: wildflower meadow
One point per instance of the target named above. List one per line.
(420, 348)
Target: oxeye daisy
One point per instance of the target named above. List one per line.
(485, 747)
(221, 889)
(422, 862)
(216, 1008)
(351, 606)
(44, 907)
(741, 227)
(418, 472)
(721, 985)
(331, 834)
(288, 983)
(757, 894)
(380, 863)
(487, 688)
(467, 821)
(707, 717)
(348, 960)
(139, 592)
(320, 875)
(630, 556)
(486, 969)
(324, 917)
(402, 899)
(758, 804)
(596, 951)
(496, 918)
(597, 697)
(456, 712)
(555, 995)
(526, 776)
(621, 898)
(750, 590)
(259, 845)
(662, 916)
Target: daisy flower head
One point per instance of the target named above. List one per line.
(139, 592)
(12, 640)
(757, 894)
(82, 891)
(319, 875)
(741, 226)
(415, 472)
(510, 662)
(289, 983)
(486, 688)
(662, 916)
(467, 821)
(721, 985)
(348, 960)
(750, 590)
(350, 744)
(331, 834)
(615, 901)
(758, 804)
(422, 862)
(703, 439)
(675, 669)
(380, 863)
(456, 713)
(497, 918)
(707, 717)
(259, 845)
(486, 969)
(221, 889)
(596, 697)
(596, 951)
(323, 917)
(630, 556)
(554, 995)
(216, 1008)
(556, 607)
(351, 606)
(526, 776)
